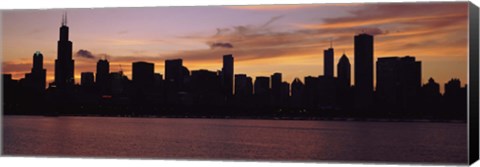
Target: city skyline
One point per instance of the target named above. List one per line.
(293, 58)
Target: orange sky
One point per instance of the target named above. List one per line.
(265, 39)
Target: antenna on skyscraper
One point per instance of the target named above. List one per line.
(65, 17)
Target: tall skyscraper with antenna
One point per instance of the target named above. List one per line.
(64, 64)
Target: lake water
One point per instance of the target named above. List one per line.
(235, 139)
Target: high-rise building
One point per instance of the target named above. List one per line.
(64, 64)
(249, 87)
(205, 81)
(143, 75)
(327, 91)
(431, 97)
(453, 88)
(328, 62)
(344, 72)
(284, 93)
(363, 57)
(118, 82)
(227, 75)
(432, 87)
(276, 85)
(102, 77)
(312, 91)
(455, 98)
(86, 79)
(242, 84)
(297, 92)
(173, 70)
(398, 81)
(38, 74)
(262, 85)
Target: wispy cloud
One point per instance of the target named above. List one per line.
(221, 45)
(84, 54)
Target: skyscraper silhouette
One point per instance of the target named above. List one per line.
(227, 75)
(262, 85)
(276, 86)
(143, 75)
(38, 74)
(453, 88)
(297, 90)
(102, 78)
(398, 81)
(242, 85)
(328, 62)
(64, 64)
(173, 71)
(363, 50)
(344, 71)
(432, 87)
(86, 79)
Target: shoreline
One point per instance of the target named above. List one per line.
(343, 119)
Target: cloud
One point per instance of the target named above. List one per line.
(221, 45)
(84, 54)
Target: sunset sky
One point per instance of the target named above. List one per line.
(263, 39)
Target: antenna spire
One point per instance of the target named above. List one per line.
(64, 19)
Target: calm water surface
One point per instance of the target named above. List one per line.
(235, 139)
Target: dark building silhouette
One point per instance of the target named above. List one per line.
(158, 81)
(118, 83)
(455, 99)
(312, 92)
(297, 93)
(453, 87)
(276, 86)
(262, 85)
(262, 92)
(64, 64)
(102, 76)
(174, 71)
(206, 87)
(431, 97)
(432, 87)
(276, 83)
(143, 75)
(87, 79)
(227, 75)
(284, 94)
(398, 81)
(363, 57)
(327, 92)
(328, 62)
(243, 85)
(176, 77)
(7, 79)
(36, 79)
(344, 71)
